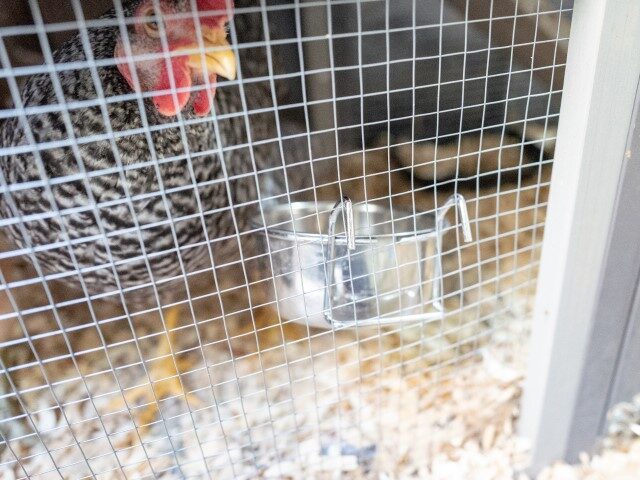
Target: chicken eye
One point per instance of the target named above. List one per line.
(152, 27)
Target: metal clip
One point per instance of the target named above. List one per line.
(344, 206)
(459, 201)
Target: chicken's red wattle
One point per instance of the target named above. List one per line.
(165, 102)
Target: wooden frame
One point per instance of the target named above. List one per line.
(586, 309)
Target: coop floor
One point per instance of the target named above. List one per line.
(409, 421)
(258, 399)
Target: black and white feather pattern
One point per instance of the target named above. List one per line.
(119, 221)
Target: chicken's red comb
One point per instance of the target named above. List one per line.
(225, 7)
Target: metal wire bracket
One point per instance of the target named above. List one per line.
(345, 206)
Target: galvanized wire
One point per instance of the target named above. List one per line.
(270, 391)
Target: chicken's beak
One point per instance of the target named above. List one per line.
(218, 56)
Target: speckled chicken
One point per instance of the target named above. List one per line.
(129, 179)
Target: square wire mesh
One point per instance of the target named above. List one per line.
(153, 322)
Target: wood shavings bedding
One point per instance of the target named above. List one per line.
(450, 423)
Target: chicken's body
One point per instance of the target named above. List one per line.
(130, 228)
(110, 230)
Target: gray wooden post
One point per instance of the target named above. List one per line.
(586, 312)
(611, 371)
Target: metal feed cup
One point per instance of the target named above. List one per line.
(348, 265)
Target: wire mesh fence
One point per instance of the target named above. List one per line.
(152, 157)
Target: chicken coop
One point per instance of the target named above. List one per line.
(318, 238)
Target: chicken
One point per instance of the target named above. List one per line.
(126, 195)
